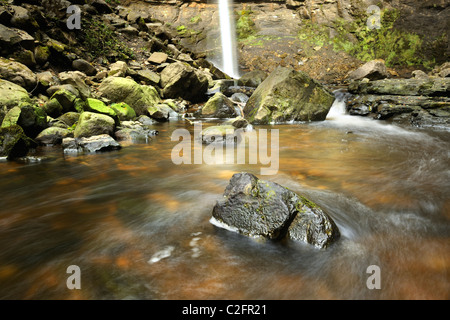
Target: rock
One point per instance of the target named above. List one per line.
(372, 70)
(148, 77)
(181, 80)
(97, 106)
(219, 106)
(419, 74)
(76, 79)
(53, 108)
(17, 73)
(266, 209)
(68, 119)
(223, 134)
(46, 79)
(161, 112)
(65, 98)
(98, 143)
(52, 136)
(239, 97)
(158, 57)
(118, 69)
(404, 87)
(92, 124)
(84, 66)
(12, 117)
(252, 79)
(129, 31)
(123, 111)
(12, 94)
(10, 38)
(101, 6)
(53, 89)
(14, 143)
(288, 95)
(32, 119)
(134, 134)
(41, 54)
(139, 97)
(238, 122)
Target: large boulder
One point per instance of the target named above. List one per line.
(13, 38)
(139, 97)
(287, 95)
(252, 79)
(32, 119)
(14, 143)
(12, 94)
(52, 135)
(98, 106)
(17, 73)
(180, 80)
(266, 209)
(91, 124)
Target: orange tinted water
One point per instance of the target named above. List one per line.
(138, 225)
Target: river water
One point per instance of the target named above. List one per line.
(137, 225)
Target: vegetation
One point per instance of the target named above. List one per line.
(100, 40)
(245, 26)
(396, 47)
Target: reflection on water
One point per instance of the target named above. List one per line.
(138, 226)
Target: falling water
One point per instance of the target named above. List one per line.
(228, 39)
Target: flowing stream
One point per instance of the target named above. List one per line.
(137, 225)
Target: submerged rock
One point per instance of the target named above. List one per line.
(288, 95)
(266, 209)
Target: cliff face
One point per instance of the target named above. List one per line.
(298, 33)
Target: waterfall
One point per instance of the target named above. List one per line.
(228, 39)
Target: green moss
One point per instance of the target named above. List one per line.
(245, 26)
(396, 47)
(100, 40)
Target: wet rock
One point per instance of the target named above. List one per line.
(97, 143)
(223, 134)
(12, 94)
(288, 95)
(17, 73)
(372, 70)
(14, 143)
(134, 132)
(218, 106)
(180, 80)
(91, 124)
(266, 209)
(139, 97)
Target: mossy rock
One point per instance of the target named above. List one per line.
(91, 124)
(98, 106)
(12, 94)
(287, 95)
(218, 106)
(14, 143)
(53, 108)
(124, 111)
(65, 98)
(11, 118)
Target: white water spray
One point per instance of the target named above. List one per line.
(228, 39)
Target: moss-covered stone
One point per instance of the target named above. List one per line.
(124, 111)
(11, 118)
(288, 95)
(98, 106)
(14, 143)
(91, 124)
(65, 98)
(218, 106)
(53, 108)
